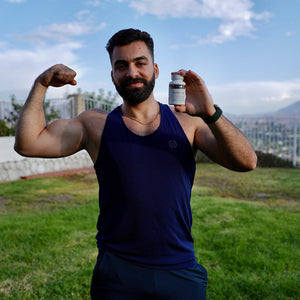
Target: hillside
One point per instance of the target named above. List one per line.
(291, 110)
(286, 115)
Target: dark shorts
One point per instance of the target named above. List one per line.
(117, 279)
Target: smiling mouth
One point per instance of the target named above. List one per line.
(135, 84)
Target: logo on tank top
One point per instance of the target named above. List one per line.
(172, 144)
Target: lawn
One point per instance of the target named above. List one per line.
(245, 227)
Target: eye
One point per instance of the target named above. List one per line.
(120, 67)
(141, 63)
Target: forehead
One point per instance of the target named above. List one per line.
(130, 52)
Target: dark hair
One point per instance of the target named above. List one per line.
(128, 36)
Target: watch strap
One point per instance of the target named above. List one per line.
(214, 117)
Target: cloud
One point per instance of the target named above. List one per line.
(289, 34)
(19, 68)
(59, 33)
(46, 46)
(3, 45)
(15, 1)
(253, 97)
(93, 3)
(83, 14)
(236, 17)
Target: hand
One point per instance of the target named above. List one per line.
(198, 100)
(57, 76)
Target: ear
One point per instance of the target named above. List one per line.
(156, 71)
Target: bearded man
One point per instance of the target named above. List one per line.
(144, 158)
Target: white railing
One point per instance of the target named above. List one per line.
(281, 139)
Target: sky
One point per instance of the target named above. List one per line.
(246, 51)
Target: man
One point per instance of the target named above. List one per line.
(144, 159)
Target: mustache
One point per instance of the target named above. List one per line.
(131, 80)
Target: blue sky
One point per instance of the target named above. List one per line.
(247, 51)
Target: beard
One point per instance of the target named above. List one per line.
(135, 95)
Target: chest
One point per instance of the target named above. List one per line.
(141, 129)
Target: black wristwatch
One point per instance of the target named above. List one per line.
(214, 117)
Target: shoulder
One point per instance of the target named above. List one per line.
(187, 121)
(190, 124)
(92, 122)
(92, 117)
(97, 112)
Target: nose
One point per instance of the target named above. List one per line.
(132, 71)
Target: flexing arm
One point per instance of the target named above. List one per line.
(60, 138)
(221, 140)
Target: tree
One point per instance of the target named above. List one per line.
(103, 100)
(11, 120)
(50, 113)
(4, 129)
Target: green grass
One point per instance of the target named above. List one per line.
(245, 227)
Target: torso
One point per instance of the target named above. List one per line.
(154, 175)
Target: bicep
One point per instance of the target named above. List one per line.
(60, 138)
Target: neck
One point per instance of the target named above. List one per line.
(143, 113)
(142, 110)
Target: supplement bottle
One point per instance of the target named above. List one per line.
(177, 90)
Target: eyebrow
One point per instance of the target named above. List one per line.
(123, 61)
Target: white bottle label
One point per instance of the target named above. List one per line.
(176, 94)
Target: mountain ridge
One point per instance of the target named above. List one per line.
(291, 111)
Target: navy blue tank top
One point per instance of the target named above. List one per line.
(145, 187)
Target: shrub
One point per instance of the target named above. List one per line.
(264, 160)
(267, 160)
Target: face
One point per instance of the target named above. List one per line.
(133, 72)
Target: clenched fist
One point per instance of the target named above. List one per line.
(57, 76)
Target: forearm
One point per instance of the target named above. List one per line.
(235, 152)
(31, 121)
(220, 139)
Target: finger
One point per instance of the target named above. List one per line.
(65, 76)
(180, 108)
(193, 79)
(181, 72)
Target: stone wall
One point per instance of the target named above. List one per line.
(14, 166)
